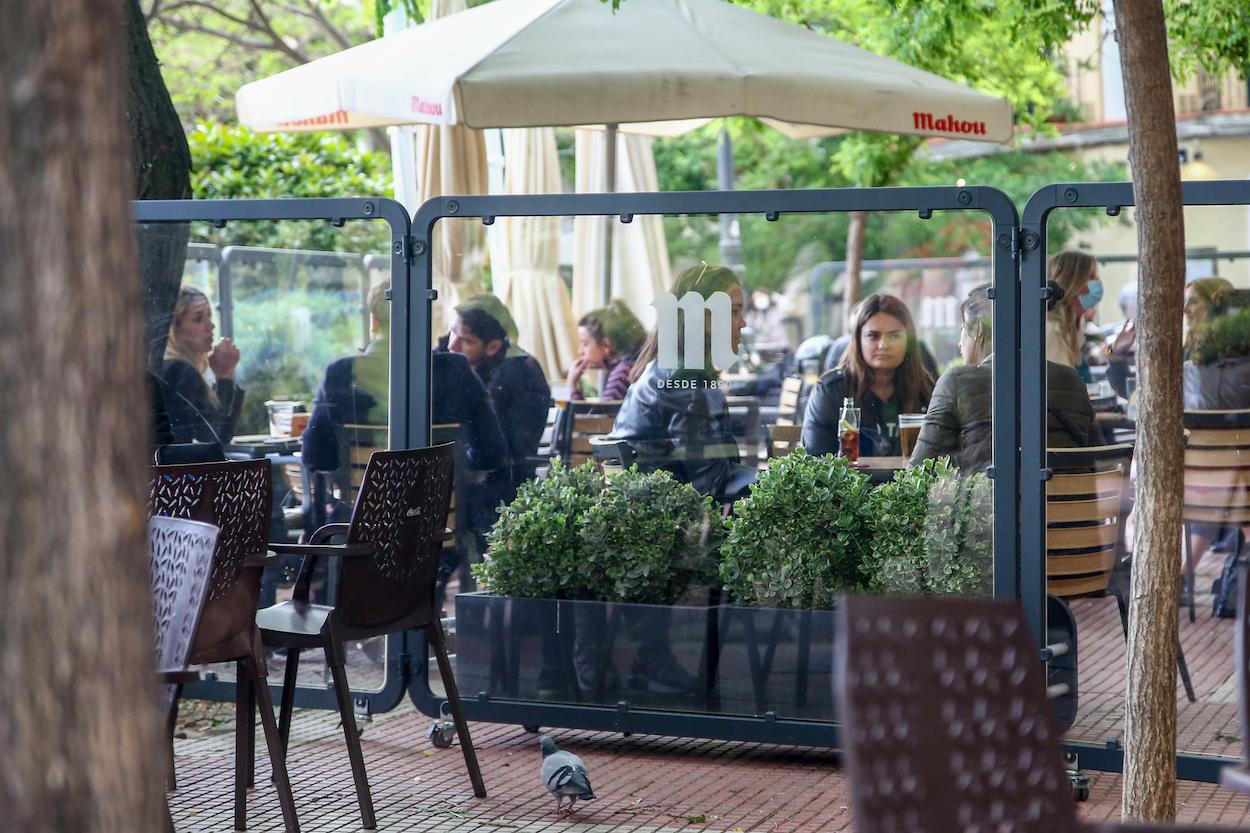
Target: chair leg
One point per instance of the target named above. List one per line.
(277, 757)
(242, 723)
(171, 726)
(1189, 574)
(435, 630)
(347, 713)
(289, 678)
(1183, 668)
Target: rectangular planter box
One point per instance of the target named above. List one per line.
(732, 660)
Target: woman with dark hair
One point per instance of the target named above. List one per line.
(677, 418)
(610, 338)
(882, 371)
(959, 422)
(200, 410)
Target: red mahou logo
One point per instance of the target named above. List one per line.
(337, 117)
(950, 124)
(426, 108)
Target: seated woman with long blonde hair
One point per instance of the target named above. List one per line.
(203, 401)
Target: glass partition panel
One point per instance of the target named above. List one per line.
(680, 496)
(262, 339)
(1092, 499)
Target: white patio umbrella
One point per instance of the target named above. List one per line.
(639, 267)
(525, 254)
(650, 67)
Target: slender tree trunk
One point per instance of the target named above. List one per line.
(162, 166)
(79, 725)
(1150, 704)
(853, 288)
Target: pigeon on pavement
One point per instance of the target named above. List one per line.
(564, 775)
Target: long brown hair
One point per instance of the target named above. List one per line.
(912, 383)
(1072, 270)
(703, 279)
(1211, 290)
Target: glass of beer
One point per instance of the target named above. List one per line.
(909, 431)
(848, 430)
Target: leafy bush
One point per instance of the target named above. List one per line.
(931, 532)
(647, 538)
(799, 537)
(536, 547)
(1222, 336)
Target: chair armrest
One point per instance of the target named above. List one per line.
(182, 677)
(336, 550)
(328, 531)
(261, 559)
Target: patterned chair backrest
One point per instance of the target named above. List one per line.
(945, 721)
(1242, 640)
(402, 510)
(235, 497)
(180, 553)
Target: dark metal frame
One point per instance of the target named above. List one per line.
(768, 728)
(337, 211)
(1111, 196)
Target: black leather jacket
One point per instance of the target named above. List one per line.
(679, 421)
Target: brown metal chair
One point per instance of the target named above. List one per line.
(236, 498)
(945, 722)
(386, 585)
(1238, 777)
(180, 555)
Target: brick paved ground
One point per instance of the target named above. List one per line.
(660, 784)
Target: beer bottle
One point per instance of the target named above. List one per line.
(848, 428)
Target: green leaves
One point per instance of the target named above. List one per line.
(931, 532)
(799, 537)
(642, 538)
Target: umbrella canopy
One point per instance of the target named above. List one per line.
(547, 63)
(525, 255)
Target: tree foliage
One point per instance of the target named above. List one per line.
(231, 162)
(210, 49)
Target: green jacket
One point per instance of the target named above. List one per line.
(958, 422)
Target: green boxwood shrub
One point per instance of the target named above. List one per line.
(647, 538)
(535, 547)
(930, 532)
(800, 537)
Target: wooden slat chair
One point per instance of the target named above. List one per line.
(578, 422)
(1085, 509)
(1084, 503)
(744, 416)
(389, 568)
(783, 437)
(788, 406)
(1238, 777)
(548, 443)
(1217, 477)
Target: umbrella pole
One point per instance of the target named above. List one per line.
(609, 135)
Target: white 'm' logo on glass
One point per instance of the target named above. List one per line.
(692, 307)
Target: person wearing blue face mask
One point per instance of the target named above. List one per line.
(1089, 305)
(1076, 273)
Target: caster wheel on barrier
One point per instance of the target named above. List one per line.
(441, 733)
(532, 728)
(1080, 788)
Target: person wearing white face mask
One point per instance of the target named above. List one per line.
(1076, 273)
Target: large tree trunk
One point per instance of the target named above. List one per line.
(79, 725)
(162, 167)
(853, 288)
(1150, 704)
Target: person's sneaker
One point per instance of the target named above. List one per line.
(660, 673)
(588, 676)
(551, 685)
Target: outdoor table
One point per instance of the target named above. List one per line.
(255, 446)
(881, 469)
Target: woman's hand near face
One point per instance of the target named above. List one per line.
(223, 359)
(575, 372)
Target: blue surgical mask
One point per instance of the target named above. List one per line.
(1092, 295)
